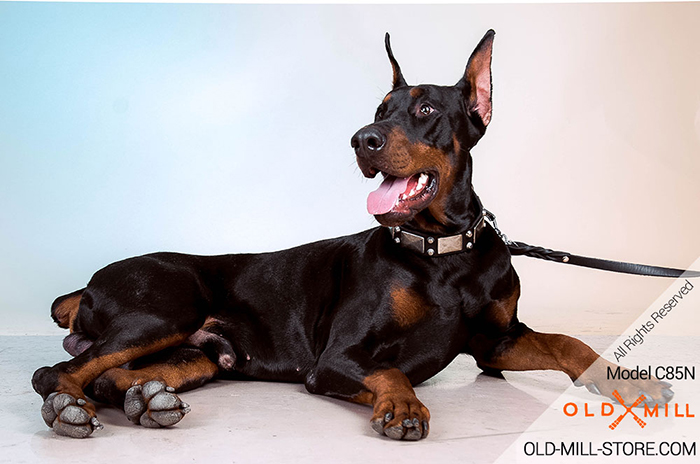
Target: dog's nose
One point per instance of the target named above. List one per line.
(368, 140)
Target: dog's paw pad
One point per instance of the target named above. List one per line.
(67, 417)
(47, 411)
(154, 405)
(134, 403)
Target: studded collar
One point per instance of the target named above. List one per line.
(435, 245)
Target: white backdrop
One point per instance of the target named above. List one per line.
(126, 129)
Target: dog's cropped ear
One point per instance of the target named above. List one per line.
(398, 80)
(476, 82)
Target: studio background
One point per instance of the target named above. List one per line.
(208, 129)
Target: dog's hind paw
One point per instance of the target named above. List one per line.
(154, 405)
(67, 416)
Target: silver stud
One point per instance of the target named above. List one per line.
(565, 259)
(469, 234)
(397, 229)
(431, 239)
(470, 245)
(431, 252)
(397, 240)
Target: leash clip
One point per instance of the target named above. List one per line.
(491, 218)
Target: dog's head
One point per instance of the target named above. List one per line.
(420, 142)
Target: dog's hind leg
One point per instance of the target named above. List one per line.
(65, 407)
(128, 335)
(146, 391)
(130, 309)
(522, 349)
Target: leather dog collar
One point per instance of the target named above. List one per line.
(434, 245)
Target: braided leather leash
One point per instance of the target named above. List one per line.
(523, 249)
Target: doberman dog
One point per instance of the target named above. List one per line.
(362, 318)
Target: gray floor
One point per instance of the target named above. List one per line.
(474, 419)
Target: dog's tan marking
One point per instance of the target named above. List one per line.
(390, 391)
(456, 144)
(387, 98)
(82, 375)
(181, 376)
(66, 311)
(408, 158)
(403, 158)
(407, 306)
(541, 351)
(388, 382)
(416, 92)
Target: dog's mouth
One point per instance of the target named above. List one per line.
(403, 195)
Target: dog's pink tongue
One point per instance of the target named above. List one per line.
(384, 198)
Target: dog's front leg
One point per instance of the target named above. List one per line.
(523, 349)
(398, 413)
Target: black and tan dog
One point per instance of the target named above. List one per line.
(362, 318)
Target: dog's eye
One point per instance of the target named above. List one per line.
(379, 114)
(425, 109)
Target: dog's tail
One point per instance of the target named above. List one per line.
(65, 308)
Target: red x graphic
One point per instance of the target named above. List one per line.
(628, 409)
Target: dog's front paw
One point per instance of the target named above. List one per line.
(154, 405)
(401, 419)
(622, 388)
(69, 416)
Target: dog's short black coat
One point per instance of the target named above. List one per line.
(359, 317)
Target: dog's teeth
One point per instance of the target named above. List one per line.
(423, 179)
